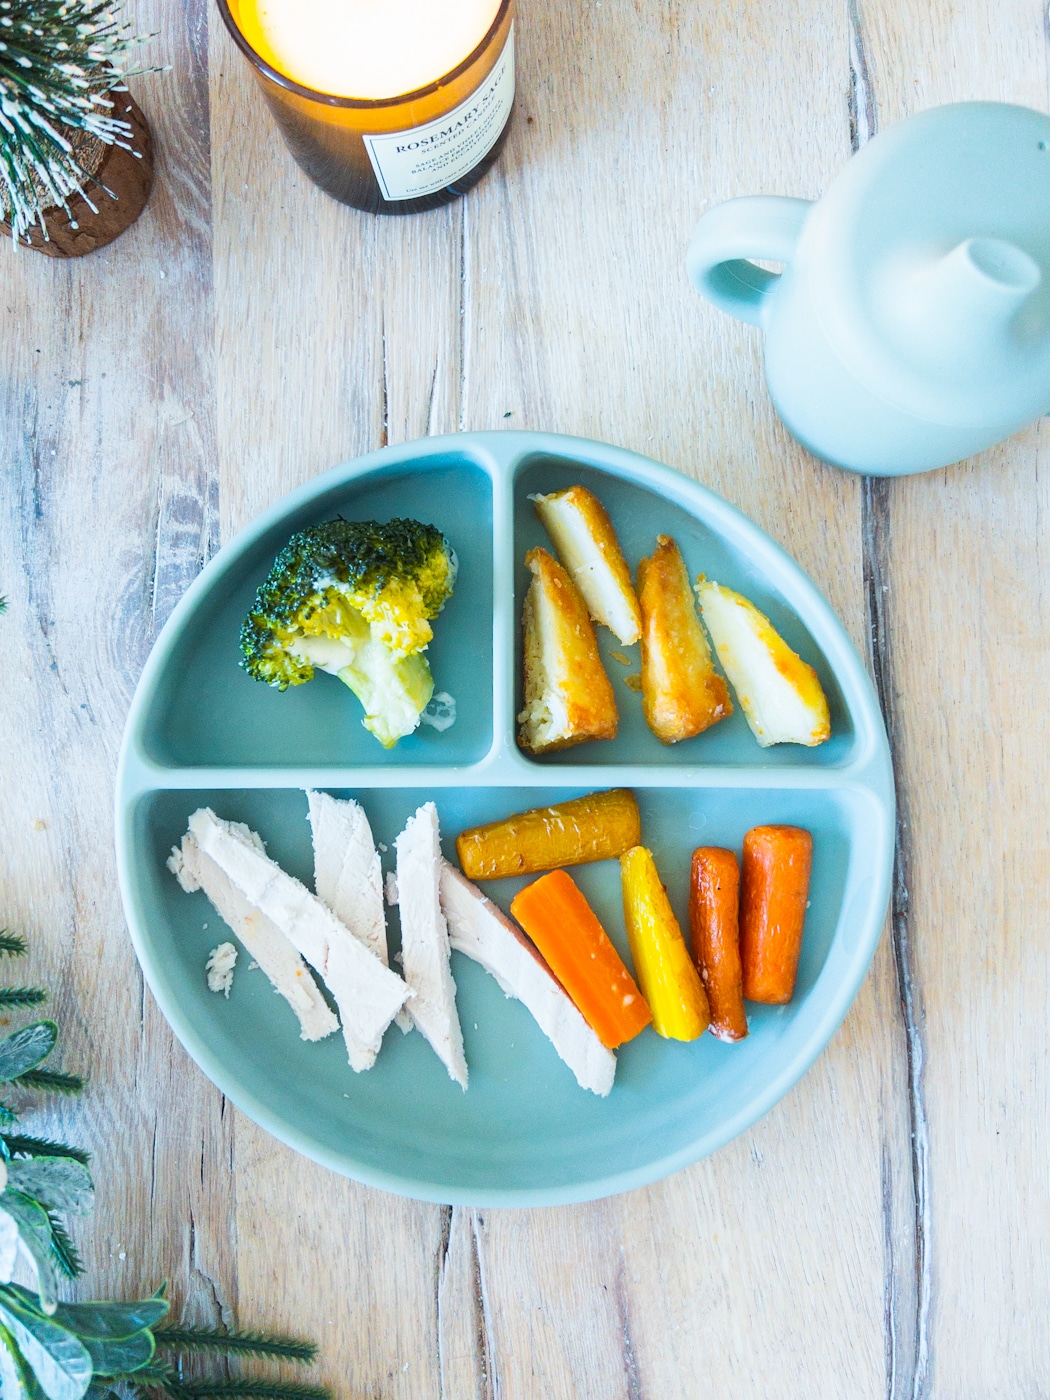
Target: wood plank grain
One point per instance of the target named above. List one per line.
(964, 692)
(108, 493)
(337, 333)
(140, 395)
(784, 1265)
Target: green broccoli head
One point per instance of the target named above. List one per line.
(355, 598)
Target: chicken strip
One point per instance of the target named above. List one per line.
(425, 953)
(348, 875)
(482, 931)
(263, 939)
(367, 994)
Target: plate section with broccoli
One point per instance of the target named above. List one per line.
(355, 598)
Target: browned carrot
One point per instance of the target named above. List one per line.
(565, 929)
(600, 826)
(774, 889)
(714, 922)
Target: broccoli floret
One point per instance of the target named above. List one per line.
(354, 598)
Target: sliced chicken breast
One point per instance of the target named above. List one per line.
(425, 953)
(367, 994)
(347, 872)
(482, 931)
(262, 938)
(348, 875)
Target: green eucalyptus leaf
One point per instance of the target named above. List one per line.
(116, 1357)
(111, 1321)
(34, 1229)
(59, 1360)
(9, 1250)
(12, 1369)
(58, 1183)
(25, 1048)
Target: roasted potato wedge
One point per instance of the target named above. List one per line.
(780, 694)
(568, 696)
(682, 693)
(583, 535)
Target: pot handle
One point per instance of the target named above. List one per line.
(758, 226)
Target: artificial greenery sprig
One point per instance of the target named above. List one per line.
(59, 61)
(52, 1350)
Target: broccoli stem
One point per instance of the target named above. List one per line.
(394, 693)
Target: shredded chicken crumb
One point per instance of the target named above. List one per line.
(219, 967)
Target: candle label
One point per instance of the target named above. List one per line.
(424, 159)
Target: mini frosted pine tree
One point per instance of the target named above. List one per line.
(59, 61)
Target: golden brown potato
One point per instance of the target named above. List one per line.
(583, 535)
(780, 694)
(682, 693)
(568, 696)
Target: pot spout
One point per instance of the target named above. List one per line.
(963, 309)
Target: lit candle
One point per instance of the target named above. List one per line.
(366, 48)
(390, 105)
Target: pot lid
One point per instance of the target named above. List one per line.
(929, 263)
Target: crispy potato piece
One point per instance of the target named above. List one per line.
(682, 693)
(583, 535)
(779, 693)
(568, 696)
(600, 826)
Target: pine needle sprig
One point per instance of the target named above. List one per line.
(22, 996)
(201, 1339)
(44, 1182)
(150, 1381)
(12, 945)
(50, 1081)
(21, 1146)
(63, 1250)
(58, 61)
(248, 1390)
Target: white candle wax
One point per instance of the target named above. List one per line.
(365, 48)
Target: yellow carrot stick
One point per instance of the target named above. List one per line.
(666, 973)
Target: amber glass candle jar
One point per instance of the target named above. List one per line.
(389, 154)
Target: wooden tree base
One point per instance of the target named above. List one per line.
(126, 175)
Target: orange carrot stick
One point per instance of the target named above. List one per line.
(774, 888)
(565, 929)
(600, 826)
(714, 905)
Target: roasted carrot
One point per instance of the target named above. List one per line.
(670, 982)
(600, 826)
(774, 889)
(714, 922)
(566, 930)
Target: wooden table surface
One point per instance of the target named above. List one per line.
(883, 1231)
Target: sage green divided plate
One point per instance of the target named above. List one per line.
(202, 732)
